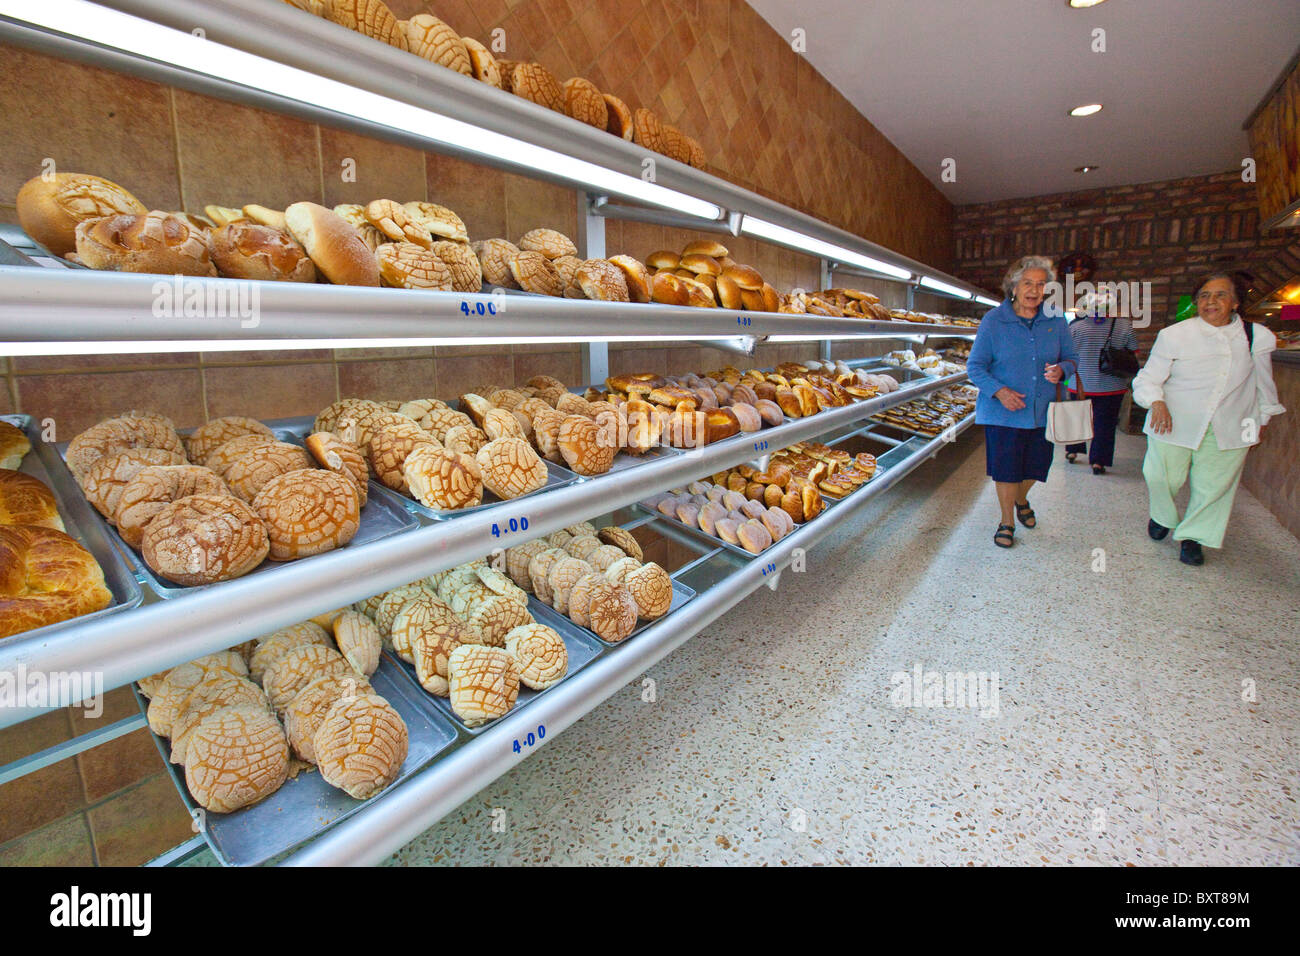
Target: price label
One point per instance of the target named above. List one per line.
(770, 569)
(478, 308)
(532, 740)
(513, 526)
(760, 446)
(744, 320)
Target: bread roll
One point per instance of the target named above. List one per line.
(50, 209)
(429, 37)
(154, 487)
(154, 242)
(236, 757)
(250, 473)
(25, 500)
(483, 65)
(203, 539)
(14, 446)
(308, 512)
(104, 482)
(206, 439)
(360, 745)
(333, 245)
(46, 577)
(618, 118)
(244, 250)
(116, 435)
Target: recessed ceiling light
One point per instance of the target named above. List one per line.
(1085, 169)
(1083, 4)
(1086, 110)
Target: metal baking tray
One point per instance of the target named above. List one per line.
(382, 517)
(547, 615)
(306, 806)
(912, 431)
(556, 477)
(582, 647)
(81, 521)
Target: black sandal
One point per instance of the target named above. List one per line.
(1005, 536)
(1071, 456)
(1099, 469)
(1026, 515)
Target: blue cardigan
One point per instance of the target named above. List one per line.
(1011, 351)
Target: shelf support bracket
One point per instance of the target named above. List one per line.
(591, 245)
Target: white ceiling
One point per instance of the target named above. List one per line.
(989, 83)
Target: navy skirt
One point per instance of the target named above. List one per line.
(1017, 454)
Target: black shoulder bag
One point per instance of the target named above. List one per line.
(1113, 360)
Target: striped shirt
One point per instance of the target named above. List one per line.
(1089, 335)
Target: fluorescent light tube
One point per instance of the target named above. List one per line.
(761, 229)
(985, 300)
(945, 288)
(143, 38)
(257, 345)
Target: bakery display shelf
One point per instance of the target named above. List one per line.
(383, 515)
(268, 55)
(917, 432)
(406, 811)
(305, 806)
(151, 638)
(81, 522)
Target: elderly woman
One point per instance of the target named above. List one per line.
(1209, 387)
(1016, 364)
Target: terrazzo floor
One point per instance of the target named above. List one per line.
(1125, 729)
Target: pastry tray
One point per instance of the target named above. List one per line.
(582, 647)
(547, 615)
(382, 517)
(913, 431)
(305, 806)
(81, 521)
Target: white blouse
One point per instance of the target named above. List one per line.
(1206, 375)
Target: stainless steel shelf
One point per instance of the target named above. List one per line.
(405, 812)
(161, 635)
(283, 35)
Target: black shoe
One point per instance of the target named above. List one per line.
(1099, 469)
(1157, 531)
(1191, 553)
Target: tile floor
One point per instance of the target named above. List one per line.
(1122, 732)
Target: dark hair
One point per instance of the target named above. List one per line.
(1074, 261)
(1239, 288)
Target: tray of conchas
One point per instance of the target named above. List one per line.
(229, 498)
(59, 564)
(272, 742)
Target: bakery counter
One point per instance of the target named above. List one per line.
(146, 640)
(1271, 474)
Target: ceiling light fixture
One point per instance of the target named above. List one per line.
(1088, 110)
(1083, 4)
(1086, 169)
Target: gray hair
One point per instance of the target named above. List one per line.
(1020, 267)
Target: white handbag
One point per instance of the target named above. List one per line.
(1070, 423)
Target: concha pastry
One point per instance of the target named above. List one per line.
(336, 455)
(358, 641)
(482, 63)
(308, 512)
(564, 575)
(533, 272)
(354, 214)
(392, 219)
(483, 683)
(603, 281)
(459, 577)
(360, 745)
(251, 472)
(369, 17)
(389, 447)
(329, 418)
(390, 607)
(305, 713)
(208, 438)
(466, 271)
(443, 480)
(429, 37)
(582, 544)
(215, 692)
(548, 242)
(221, 458)
(235, 758)
(652, 590)
(439, 221)
(546, 433)
(495, 617)
(499, 423)
(617, 572)
(424, 614)
(465, 439)
(175, 688)
(202, 539)
(540, 654)
(510, 468)
(116, 435)
(438, 421)
(104, 481)
(621, 539)
(611, 612)
(518, 559)
(580, 597)
(585, 103)
(275, 645)
(495, 256)
(409, 265)
(431, 647)
(535, 82)
(585, 448)
(297, 667)
(603, 557)
(539, 571)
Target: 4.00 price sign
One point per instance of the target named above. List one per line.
(513, 526)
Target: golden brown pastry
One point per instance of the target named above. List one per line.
(429, 37)
(535, 82)
(153, 242)
(333, 453)
(235, 758)
(307, 711)
(647, 130)
(105, 479)
(466, 271)
(25, 500)
(217, 691)
(585, 103)
(51, 208)
(202, 539)
(244, 250)
(14, 446)
(533, 272)
(439, 221)
(635, 277)
(299, 666)
(602, 281)
(248, 474)
(540, 655)
(45, 577)
(392, 219)
(360, 745)
(483, 683)
(333, 245)
(389, 447)
(619, 118)
(551, 244)
(154, 487)
(586, 449)
(443, 480)
(495, 256)
(206, 439)
(371, 17)
(483, 64)
(611, 612)
(358, 641)
(306, 512)
(116, 435)
(510, 468)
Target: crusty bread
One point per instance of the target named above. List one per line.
(155, 487)
(155, 242)
(27, 500)
(334, 246)
(46, 577)
(13, 445)
(49, 209)
(245, 250)
(204, 538)
(309, 511)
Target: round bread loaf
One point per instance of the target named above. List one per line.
(483, 683)
(389, 447)
(338, 456)
(104, 481)
(333, 245)
(13, 446)
(116, 435)
(203, 539)
(358, 641)
(155, 242)
(306, 512)
(309, 707)
(51, 207)
(429, 37)
(443, 480)
(495, 256)
(652, 590)
(618, 121)
(540, 654)
(611, 612)
(585, 103)
(250, 473)
(462, 264)
(438, 221)
(510, 468)
(430, 648)
(221, 458)
(46, 577)
(533, 272)
(206, 439)
(245, 250)
(27, 500)
(273, 646)
(299, 666)
(235, 758)
(548, 242)
(482, 63)
(360, 745)
(217, 691)
(154, 487)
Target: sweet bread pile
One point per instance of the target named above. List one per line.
(744, 518)
(835, 472)
(597, 578)
(934, 413)
(238, 718)
(928, 362)
(429, 37)
(214, 505)
(852, 303)
(932, 318)
(704, 275)
(545, 262)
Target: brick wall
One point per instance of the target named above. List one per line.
(1165, 233)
